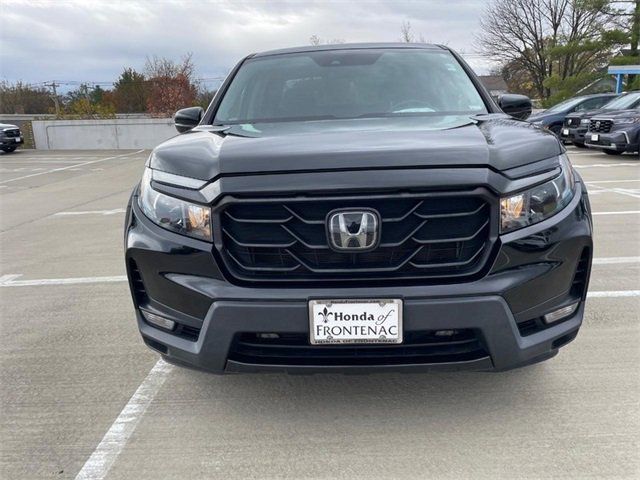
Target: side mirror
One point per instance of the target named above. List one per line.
(187, 118)
(518, 106)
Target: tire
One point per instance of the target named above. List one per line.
(8, 149)
(613, 152)
(579, 145)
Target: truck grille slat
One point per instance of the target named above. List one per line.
(12, 133)
(600, 126)
(422, 236)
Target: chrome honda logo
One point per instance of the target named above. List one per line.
(355, 230)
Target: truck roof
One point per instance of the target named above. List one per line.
(349, 46)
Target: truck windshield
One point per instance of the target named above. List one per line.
(347, 84)
(566, 105)
(623, 102)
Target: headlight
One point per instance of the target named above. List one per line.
(174, 214)
(538, 203)
(624, 121)
(585, 121)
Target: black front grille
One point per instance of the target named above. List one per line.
(600, 126)
(421, 347)
(422, 237)
(571, 122)
(13, 133)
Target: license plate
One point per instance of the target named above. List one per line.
(565, 132)
(595, 137)
(18, 140)
(355, 321)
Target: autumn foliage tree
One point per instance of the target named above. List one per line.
(171, 85)
(89, 102)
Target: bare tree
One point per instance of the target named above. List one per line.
(407, 35)
(316, 40)
(24, 98)
(552, 40)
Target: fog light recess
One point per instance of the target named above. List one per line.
(158, 321)
(268, 336)
(446, 333)
(560, 313)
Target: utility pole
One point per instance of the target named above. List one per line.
(53, 85)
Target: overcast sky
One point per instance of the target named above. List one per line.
(92, 40)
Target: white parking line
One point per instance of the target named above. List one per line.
(615, 260)
(93, 212)
(47, 157)
(71, 166)
(610, 181)
(114, 441)
(608, 165)
(10, 280)
(624, 212)
(614, 293)
(22, 161)
(620, 191)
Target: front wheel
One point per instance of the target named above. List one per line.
(613, 152)
(8, 149)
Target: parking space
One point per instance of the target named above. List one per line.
(82, 396)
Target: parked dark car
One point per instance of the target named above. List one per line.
(616, 132)
(10, 137)
(359, 207)
(576, 124)
(553, 118)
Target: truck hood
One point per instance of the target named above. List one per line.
(588, 113)
(7, 125)
(613, 114)
(494, 141)
(544, 115)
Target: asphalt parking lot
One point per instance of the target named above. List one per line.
(81, 396)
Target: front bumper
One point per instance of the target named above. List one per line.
(535, 271)
(573, 134)
(11, 141)
(620, 141)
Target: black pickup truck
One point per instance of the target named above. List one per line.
(352, 208)
(10, 137)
